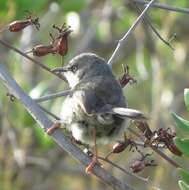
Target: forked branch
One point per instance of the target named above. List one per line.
(124, 39)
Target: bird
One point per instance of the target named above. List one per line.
(96, 112)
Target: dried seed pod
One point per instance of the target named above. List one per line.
(166, 136)
(126, 78)
(19, 25)
(60, 44)
(119, 147)
(137, 166)
(172, 147)
(42, 50)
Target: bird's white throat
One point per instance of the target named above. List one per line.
(72, 78)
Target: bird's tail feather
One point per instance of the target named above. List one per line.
(130, 113)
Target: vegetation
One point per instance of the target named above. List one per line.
(31, 160)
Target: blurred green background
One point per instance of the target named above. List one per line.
(28, 158)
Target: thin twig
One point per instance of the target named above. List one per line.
(146, 180)
(49, 113)
(31, 59)
(52, 96)
(142, 144)
(148, 21)
(168, 159)
(164, 6)
(58, 136)
(175, 164)
(12, 98)
(124, 39)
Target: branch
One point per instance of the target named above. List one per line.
(148, 22)
(49, 113)
(63, 141)
(164, 156)
(164, 6)
(146, 180)
(54, 95)
(124, 39)
(6, 44)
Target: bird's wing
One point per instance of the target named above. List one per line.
(91, 104)
(96, 94)
(96, 98)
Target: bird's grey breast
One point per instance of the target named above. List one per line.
(71, 110)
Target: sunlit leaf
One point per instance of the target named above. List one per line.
(183, 145)
(186, 97)
(184, 175)
(181, 123)
(183, 185)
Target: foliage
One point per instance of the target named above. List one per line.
(28, 159)
(183, 143)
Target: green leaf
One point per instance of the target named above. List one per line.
(183, 145)
(186, 97)
(184, 175)
(180, 122)
(183, 185)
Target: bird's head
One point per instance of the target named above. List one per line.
(85, 66)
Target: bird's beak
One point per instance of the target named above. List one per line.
(60, 70)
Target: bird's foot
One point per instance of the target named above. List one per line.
(89, 168)
(55, 126)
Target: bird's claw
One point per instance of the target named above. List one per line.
(89, 168)
(51, 130)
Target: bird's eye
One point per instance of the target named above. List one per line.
(73, 68)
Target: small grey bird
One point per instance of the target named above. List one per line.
(97, 110)
(97, 101)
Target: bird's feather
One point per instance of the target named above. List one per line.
(94, 97)
(92, 103)
(128, 112)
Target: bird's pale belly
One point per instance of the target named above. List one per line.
(108, 127)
